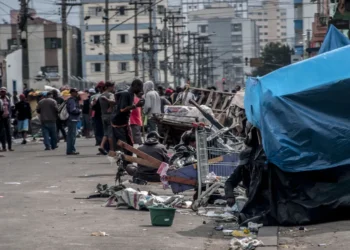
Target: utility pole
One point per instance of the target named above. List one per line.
(151, 51)
(173, 45)
(107, 62)
(165, 35)
(188, 54)
(212, 67)
(178, 57)
(194, 60)
(136, 53)
(23, 27)
(64, 42)
(143, 60)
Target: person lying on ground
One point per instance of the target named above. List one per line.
(154, 148)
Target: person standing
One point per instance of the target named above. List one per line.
(59, 123)
(24, 115)
(121, 115)
(107, 102)
(136, 122)
(163, 99)
(96, 113)
(86, 114)
(152, 105)
(74, 116)
(48, 110)
(6, 120)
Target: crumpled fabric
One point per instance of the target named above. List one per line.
(247, 243)
(162, 171)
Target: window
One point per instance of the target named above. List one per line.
(123, 67)
(237, 48)
(283, 33)
(95, 39)
(265, 34)
(260, 27)
(236, 38)
(265, 27)
(51, 72)
(123, 39)
(259, 14)
(203, 28)
(283, 27)
(261, 40)
(239, 71)
(240, 5)
(265, 13)
(283, 14)
(284, 40)
(190, 7)
(259, 20)
(235, 5)
(237, 59)
(265, 40)
(265, 20)
(278, 30)
(195, 6)
(160, 9)
(97, 67)
(283, 20)
(121, 11)
(145, 38)
(53, 43)
(95, 11)
(237, 27)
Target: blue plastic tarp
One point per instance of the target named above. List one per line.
(302, 111)
(333, 40)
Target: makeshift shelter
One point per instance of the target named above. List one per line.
(333, 40)
(302, 113)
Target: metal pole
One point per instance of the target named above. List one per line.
(188, 53)
(64, 42)
(136, 55)
(151, 54)
(173, 43)
(107, 40)
(24, 28)
(178, 58)
(165, 35)
(194, 61)
(143, 60)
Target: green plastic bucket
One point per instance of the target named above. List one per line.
(162, 216)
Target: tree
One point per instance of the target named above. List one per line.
(274, 56)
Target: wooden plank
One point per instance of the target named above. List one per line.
(202, 97)
(181, 180)
(138, 153)
(212, 161)
(140, 161)
(209, 98)
(218, 96)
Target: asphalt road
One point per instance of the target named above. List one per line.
(38, 209)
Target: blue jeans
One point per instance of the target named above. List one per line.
(50, 134)
(71, 136)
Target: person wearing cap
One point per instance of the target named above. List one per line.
(107, 102)
(168, 93)
(5, 120)
(24, 115)
(74, 116)
(154, 148)
(48, 110)
(86, 113)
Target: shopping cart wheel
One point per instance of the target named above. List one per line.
(195, 205)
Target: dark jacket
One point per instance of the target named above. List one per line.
(48, 110)
(73, 109)
(23, 111)
(157, 150)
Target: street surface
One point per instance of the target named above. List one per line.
(38, 210)
(41, 212)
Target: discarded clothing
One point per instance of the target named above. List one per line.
(245, 243)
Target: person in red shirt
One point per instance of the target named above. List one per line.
(136, 122)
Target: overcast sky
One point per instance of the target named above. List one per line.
(45, 9)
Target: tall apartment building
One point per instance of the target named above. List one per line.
(232, 39)
(122, 44)
(239, 8)
(45, 51)
(304, 13)
(271, 21)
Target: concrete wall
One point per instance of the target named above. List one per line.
(14, 71)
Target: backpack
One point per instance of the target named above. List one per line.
(63, 112)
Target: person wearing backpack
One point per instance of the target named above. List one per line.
(74, 116)
(48, 110)
(59, 122)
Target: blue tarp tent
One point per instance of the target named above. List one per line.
(333, 40)
(302, 111)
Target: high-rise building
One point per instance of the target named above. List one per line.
(271, 20)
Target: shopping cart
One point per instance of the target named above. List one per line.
(218, 154)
